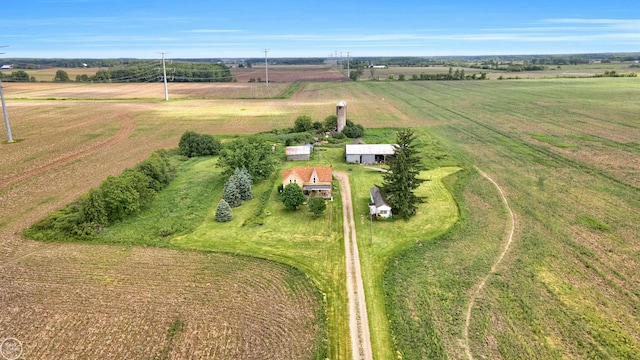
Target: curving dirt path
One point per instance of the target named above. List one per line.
(480, 286)
(126, 129)
(358, 319)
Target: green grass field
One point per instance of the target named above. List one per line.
(568, 286)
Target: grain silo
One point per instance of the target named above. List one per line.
(341, 113)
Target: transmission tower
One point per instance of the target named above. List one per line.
(164, 77)
(4, 111)
(266, 66)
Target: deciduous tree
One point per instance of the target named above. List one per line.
(293, 196)
(303, 123)
(61, 76)
(252, 153)
(317, 205)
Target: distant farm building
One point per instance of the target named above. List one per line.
(378, 206)
(314, 180)
(341, 113)
(6, 67)
(368, 153)
(377, 66)
(299, 152)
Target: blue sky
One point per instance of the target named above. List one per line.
(223, 29)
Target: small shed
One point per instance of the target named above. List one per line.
(368, 153)
(378, 206)
(297, 153)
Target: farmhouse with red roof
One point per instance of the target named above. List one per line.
(314, 180)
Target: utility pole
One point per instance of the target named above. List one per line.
(266, 66)
(348, 71)
(4, 111)
(164, 77)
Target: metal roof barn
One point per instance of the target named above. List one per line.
(368, 153)
(298, 152)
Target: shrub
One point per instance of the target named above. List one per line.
(157, 169)
(317, 205)
(353, 131)
(223, 211)
(193, 144)
(303, 123)
(330, 123)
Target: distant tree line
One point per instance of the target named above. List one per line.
(286, 61)
(27, 64)
(17, 76)
(458, 74)
(465, 61)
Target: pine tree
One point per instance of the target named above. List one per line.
(230, 193)
(244, 183)
(223, 211)
(402, 180)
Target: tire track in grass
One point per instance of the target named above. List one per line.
(494, 267)
(126, 129)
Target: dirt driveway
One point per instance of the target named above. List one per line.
(358, 319)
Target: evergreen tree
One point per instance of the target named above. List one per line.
(230, 193)
(402, 179)
(223, 211)
(292, 196)
(244, 183)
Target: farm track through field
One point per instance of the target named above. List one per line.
(358, 319)
(494, 267)
(127, 128)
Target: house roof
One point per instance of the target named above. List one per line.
(369, 149)
(305, 172)
(298, 150)
(377, 197)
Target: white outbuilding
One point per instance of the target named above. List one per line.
(378, 206)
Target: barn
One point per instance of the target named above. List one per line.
(368, 153)
(299, 152)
